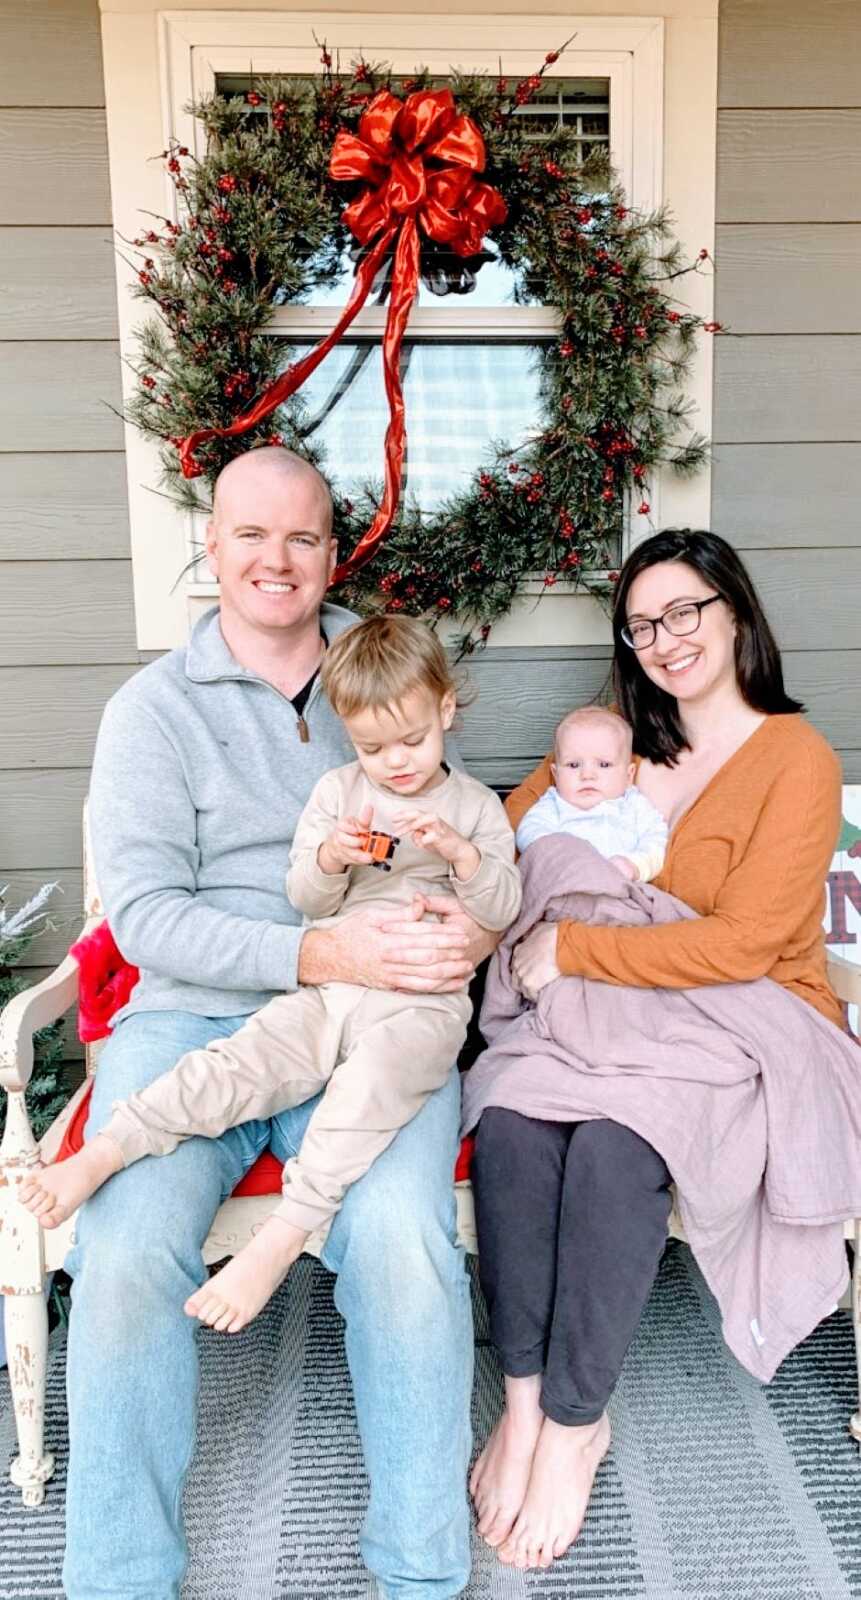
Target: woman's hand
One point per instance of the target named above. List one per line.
(533, 963)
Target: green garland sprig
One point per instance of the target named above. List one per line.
(260, 227)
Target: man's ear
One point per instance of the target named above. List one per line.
(212, 548)
(447, 709)
(333, 557)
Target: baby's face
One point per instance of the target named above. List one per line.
(592, 764)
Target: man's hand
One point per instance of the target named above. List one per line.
(533, 963)
(431, 832)
(386, 950)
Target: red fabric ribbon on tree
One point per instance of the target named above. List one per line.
(417, 159)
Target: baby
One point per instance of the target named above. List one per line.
(593, 796)
(395, 825)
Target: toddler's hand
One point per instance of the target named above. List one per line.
(342, 849)
(626, 867)
(431, 832)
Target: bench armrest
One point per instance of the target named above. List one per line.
(845, 979)
(34, 1009)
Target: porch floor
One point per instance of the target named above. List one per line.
(716, 1488)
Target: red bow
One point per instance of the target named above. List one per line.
(416, 159)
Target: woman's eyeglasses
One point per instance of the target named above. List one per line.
(679, 621)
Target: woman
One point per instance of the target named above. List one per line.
(572, 1216)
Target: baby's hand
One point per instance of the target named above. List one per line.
(431, 832)
(342, 848)
(626, 867)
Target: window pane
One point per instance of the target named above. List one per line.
(460, 400)
(580, 104)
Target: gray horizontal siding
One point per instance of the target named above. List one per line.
(787, 424)
(51, 53)
(787, 495)
(68, 395)
(790, 52)
(58, 283)
(40, 819)
(771, 277)
(782, 388)
(789, 166)
(65, 572)
(66, 612)
(54, 167)
(64, 506)
(63, 708)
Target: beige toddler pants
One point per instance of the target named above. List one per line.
(379, 1053)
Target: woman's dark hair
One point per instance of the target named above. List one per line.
(652, 713)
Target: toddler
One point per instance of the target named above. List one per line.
(593, 795)
(379, 1053)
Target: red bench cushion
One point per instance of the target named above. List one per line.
(263, 1178)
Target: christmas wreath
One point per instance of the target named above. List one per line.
(417, 181)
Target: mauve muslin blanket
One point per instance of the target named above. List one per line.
(752, 1098)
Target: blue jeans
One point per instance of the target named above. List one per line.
(132, 1362)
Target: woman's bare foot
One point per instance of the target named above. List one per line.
(229, 1300)
(560, 1484)
(500, 1476)
(54, 1193)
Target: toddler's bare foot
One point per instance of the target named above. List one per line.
(560, 1483)
(501, 1474)
(229, 1300)
(54, 1193)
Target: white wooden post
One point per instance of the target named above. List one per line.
(23, 1289)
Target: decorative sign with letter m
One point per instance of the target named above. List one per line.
(843, 910)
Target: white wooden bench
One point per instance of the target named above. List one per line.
(28, 1254)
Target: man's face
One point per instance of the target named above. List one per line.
(270, 547)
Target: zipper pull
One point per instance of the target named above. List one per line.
(304, 734)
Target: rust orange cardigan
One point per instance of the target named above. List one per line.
(751, 856)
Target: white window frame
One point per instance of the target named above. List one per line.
(194, 45)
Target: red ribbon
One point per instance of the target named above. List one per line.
(416, 159)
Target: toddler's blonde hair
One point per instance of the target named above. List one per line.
(596, 715)
(375, 664)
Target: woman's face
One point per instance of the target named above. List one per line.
(695, 665)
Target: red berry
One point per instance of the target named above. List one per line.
(643, 508)
(640, 331)
(229, 285)
(608, 495)
(674, 316)
(712, 327)
(147, 381)
(703, 255)
(325, 57)
(501, 85)
(173, 165)
(183, 150)
(583, 214)
(361, 72)
(552, 56)
(227, 183)
(621, 212)
(566, 348)
(144, 278)
(253, 98)
(443, 603)
(613, 576)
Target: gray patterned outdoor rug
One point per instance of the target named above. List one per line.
(716, 1488)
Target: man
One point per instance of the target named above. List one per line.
(203, 764)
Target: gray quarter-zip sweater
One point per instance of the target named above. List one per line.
(199, 779)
